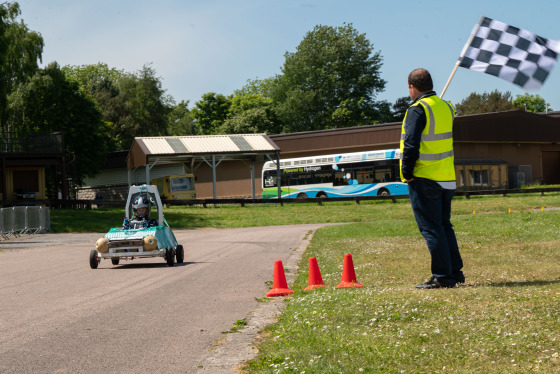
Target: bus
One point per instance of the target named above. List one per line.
(176, 187)
(369, 173)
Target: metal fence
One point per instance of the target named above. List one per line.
(19, 220)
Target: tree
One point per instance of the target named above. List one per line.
(181, 121)
(330, 81)
(494, 101)
(93, 79)
(101, 83)
(250, 113)
(210, 113)
(20, 51)
(400, 107)
(264, 87)
(531, 103)
(132, 104)
(148, 104)
(50, 102)
(384, 112)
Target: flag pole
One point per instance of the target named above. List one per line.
(469, 41)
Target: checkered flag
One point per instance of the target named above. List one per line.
(513, 54)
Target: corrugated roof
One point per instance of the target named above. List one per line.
(170, 146)
(207, 144)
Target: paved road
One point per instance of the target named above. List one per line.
(59, 316)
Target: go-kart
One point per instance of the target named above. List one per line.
(139, 238)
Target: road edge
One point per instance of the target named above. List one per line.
(230, 354)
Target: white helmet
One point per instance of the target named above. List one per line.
(141, 202)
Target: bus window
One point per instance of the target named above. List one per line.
(364, 176)
(340, 178)
(384, 174)
(182, 184)
(299, 179)
(346, 177)
(269, 180)
(323, 177)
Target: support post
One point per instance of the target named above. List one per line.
(147, 173)
(214, 174)
(253, 177)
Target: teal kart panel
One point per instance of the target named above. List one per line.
(163, 235)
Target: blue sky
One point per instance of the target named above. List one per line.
(200, 46)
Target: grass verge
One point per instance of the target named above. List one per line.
(504, 320)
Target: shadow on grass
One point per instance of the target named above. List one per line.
(524, 283)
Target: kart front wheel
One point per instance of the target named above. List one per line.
(93, 259)
(115, 261)
(170, 256)
(179, 254)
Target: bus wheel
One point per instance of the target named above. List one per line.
(322, 195)
(383, 192)
(302, 196)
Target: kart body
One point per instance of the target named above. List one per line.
(139, 239)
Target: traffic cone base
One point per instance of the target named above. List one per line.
(315, 279)
(348, 285)
(348, 273)
(279, 284)
(315, 286)
(279, 292)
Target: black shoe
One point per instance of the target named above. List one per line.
(433, 282)
(459, 277)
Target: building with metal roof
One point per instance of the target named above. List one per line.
(194, 151)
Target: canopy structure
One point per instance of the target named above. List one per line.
(209, 149)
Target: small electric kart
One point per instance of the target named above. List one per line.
(140, 237)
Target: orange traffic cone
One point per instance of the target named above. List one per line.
(348, 273)
(279, 284)
(315, 279)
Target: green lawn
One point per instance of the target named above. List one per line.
(504, 320)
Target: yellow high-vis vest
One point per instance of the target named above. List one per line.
(436, 161)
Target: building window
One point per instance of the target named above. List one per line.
(26, 180)
(479, 177)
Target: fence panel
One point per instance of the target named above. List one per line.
(3, 228)
(20, 219)
(33, 222)
(8, 222)
(24, 219)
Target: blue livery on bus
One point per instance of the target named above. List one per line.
(368, 173)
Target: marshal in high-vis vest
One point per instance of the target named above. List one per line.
(427, 166)
(436, 160)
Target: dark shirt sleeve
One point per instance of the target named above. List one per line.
(413, 127)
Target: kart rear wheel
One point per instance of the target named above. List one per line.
(115, 261)
(93, 259)
(170, 256)
(179, 254)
